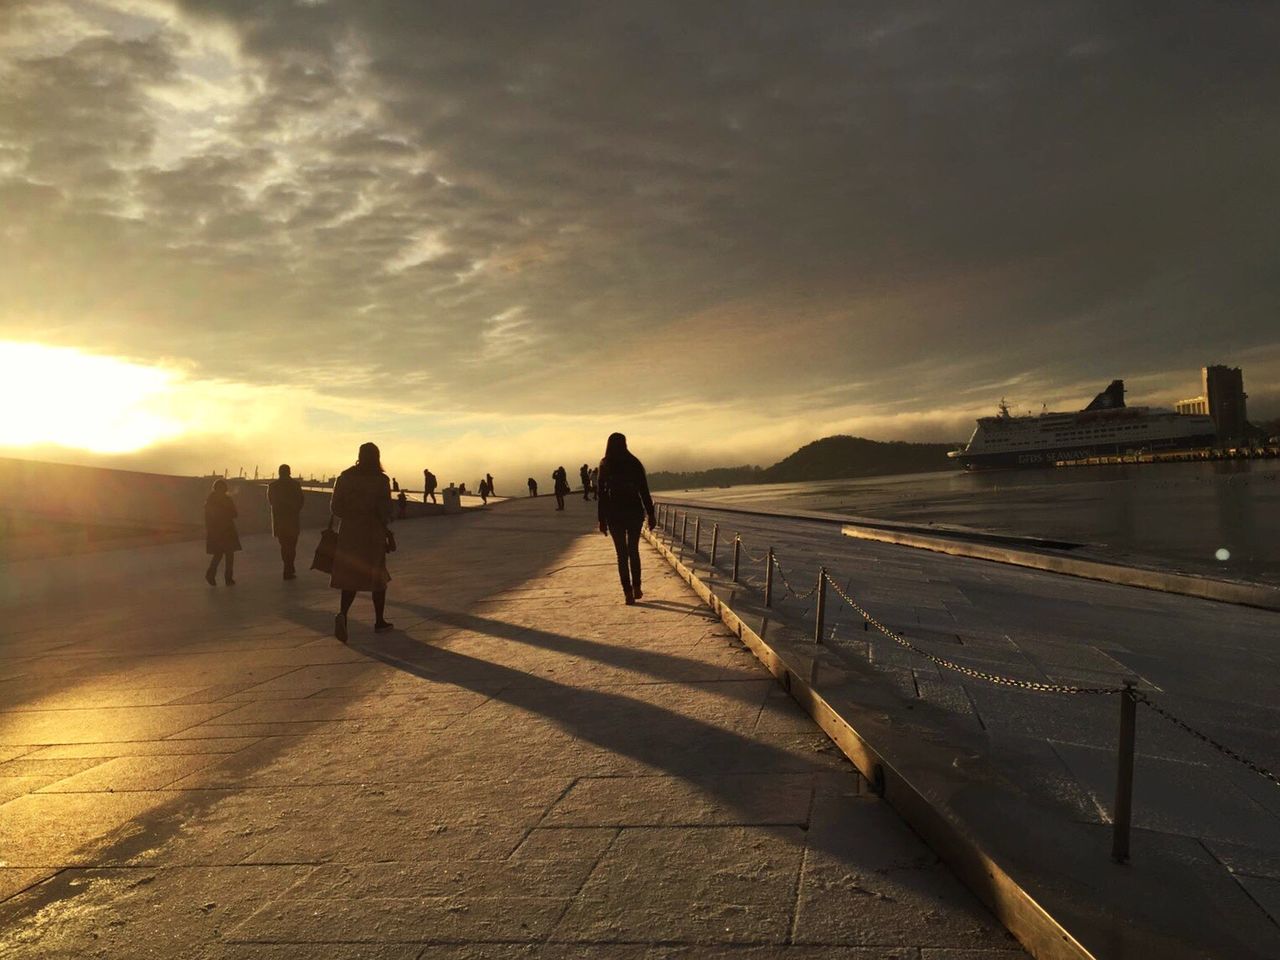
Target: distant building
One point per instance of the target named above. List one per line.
(1196, 405)
(1225, 398)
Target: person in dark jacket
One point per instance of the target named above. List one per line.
(484, 490)
(220, 536)
(489, 478)
(584, 472)
(362, 502)
(533, 487)
(285, 496)
(428, 486)
(622, 505)
(561, 478)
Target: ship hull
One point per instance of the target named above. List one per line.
(1030, 459)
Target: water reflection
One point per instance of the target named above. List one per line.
(1179, 514)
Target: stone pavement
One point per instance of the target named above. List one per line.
(1213, 664)
(524, 767)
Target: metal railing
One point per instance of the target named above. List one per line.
(1127, 690)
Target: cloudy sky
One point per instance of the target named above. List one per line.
(486, 234)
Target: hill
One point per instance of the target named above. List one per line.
(831, 458)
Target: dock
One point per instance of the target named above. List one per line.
(1197, 455)
(524, 767)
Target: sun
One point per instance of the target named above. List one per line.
(68, 398)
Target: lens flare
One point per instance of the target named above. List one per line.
(67, 398)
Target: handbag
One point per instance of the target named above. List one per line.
(326, 549)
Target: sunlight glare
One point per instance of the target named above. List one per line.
(67, 398)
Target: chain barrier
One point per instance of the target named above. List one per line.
(786, 584)
(1204, 737)
(1036, 685)
(751, 556)
(1000, 680)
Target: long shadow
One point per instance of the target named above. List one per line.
(662, 665)
(668, 741)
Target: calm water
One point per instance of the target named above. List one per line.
(1180, 515)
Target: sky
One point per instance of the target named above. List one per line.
(485, 235)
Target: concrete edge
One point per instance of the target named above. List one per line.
(1033, 927)
(1222, 591)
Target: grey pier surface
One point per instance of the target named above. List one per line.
(1015, 787)
(524, 768)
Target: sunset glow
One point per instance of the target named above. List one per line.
(66, 398)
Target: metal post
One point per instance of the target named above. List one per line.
(1124, 775)
(684, 530)
(697, 534)
(768, 578)
(662, 513)
(820, 611)
(715, 541)
(737, 545)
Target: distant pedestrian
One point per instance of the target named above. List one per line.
(595, 483)
(220, 536)
(428, 486)
(395, 485)
(285, 496)
(484, 490)
(362, 502)
(403, 500)
(560, 477)
(585, 473)
(492, 492)
(533, 487)
(624, 503)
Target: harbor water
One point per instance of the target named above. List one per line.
(1217, 519)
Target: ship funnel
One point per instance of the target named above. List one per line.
(1110, 398)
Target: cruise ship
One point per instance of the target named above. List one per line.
(1105, 427)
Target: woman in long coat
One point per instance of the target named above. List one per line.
(623, 502)
(220, 536)
(362, 502)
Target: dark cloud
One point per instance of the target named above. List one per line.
(899, 202)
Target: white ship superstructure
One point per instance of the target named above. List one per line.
(1105, 427)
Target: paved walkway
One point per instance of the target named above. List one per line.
(525, 767)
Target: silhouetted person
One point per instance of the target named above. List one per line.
(595, 483)
(561, 478)
(489, 478)
(428, 486)
(285, 496)
(362, 501)
(585, 473)
(533, 487)
(462, 490)
(624, 502)
(395, 485)
(403, 500)
(484, 490)
(220, 536)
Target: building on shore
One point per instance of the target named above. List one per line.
(1224, 390)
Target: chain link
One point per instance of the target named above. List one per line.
(786, 584)
(751, 556)
(995, 678)
(1204, 737)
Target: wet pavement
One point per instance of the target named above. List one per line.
(524, 767)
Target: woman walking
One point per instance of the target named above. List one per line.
(622, 505)
(362, 502)
(220, 536)
(561, 479)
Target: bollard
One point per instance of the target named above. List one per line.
(697, 534)
(1124, 775)
(819, 613)
(715, 541)
(737, 545)
(684, 530)
(768, 579)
